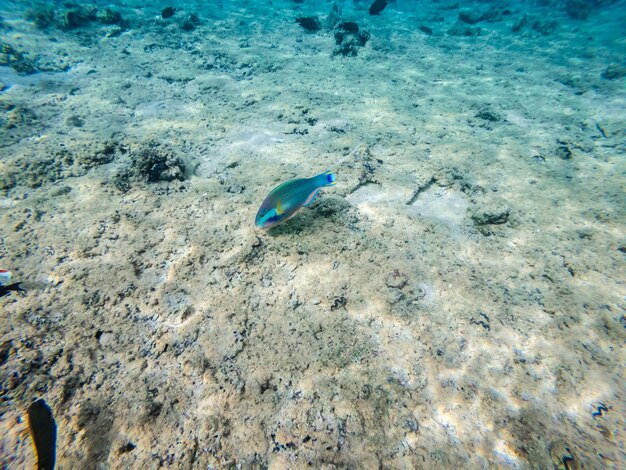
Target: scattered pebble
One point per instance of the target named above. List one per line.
(106, 339)
(338, 302)
(470, 16)
(396, 279)
(482, 320)
(129, 446)
(494, 213)
(74, 121)
(563, 152)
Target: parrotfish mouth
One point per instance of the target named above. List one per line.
(266, 218)
(265, 224)
(269, 222)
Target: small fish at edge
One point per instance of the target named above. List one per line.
(43, 432)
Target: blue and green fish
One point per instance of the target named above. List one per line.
(289, 197)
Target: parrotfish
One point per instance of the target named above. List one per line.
(289, 197)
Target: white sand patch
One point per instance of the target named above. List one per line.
(445, 205)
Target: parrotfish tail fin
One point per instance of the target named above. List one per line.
(329, 178)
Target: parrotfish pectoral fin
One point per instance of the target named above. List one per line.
(279, 208)
(311, 198)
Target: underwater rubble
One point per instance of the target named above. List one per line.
(455, 297)
(349, 38)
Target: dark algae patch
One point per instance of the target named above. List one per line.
(348, 44)
(73, 17)
(159, 165)
(17, 60)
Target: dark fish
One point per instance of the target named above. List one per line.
(310, 23)
(168, 12)
(43, 432)
(4, 290)
(377, 7)
(349, 26)
(425, 29)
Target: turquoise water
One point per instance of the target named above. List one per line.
(456, 300)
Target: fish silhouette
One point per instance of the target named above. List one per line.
(310, 23)
(377, 7)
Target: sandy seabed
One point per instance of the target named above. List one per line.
(455, 301)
